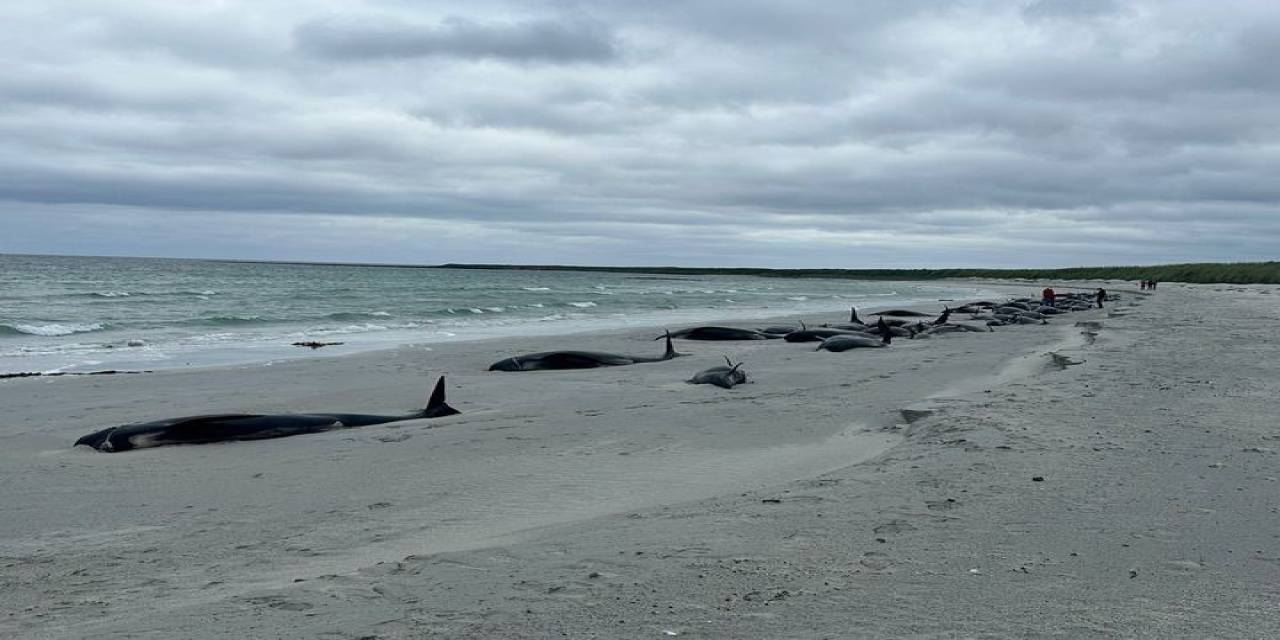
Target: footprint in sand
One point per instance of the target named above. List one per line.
(894, 526)
(280, 602)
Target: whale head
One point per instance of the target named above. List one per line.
(508, 364)
(99, 440)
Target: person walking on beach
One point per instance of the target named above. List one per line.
(1142, 284)
(1101, 295)
(1048, 296)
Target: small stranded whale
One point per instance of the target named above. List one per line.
(720, 333)
(721, 376)
(844, 343)
(548, 360)
(805, 334)
(239, 426)
(883, 327)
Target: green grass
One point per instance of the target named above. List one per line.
(1202, 272)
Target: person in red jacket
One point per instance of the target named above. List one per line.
(1048, 296)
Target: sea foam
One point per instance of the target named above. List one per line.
(53, 329)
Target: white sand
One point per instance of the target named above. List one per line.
(624, 503)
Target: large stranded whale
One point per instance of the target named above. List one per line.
(576, 360)
(901, 313)
(242, 426)
(721, 333)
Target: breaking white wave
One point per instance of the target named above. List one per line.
(53, 329)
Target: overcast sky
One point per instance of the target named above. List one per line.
(885, 133)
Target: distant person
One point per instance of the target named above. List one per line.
(1048, 296)
(1100, 296)
(1151, 284)
(1142, 284)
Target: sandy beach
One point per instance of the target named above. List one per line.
(965, 486)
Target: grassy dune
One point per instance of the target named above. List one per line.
(1203, 272)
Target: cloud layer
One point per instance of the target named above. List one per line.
(882, 133)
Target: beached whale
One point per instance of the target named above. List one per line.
(551, 360)
(953, 327)
(901, 329)
(817, 335)
(777, 330)
(721, 376)
(896, 322)
(851, 327)
(244, 426)
(721, 333)
(901, 313)
(844, 343)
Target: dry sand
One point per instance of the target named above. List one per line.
(624, 503)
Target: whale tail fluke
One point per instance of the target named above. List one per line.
(436, 406)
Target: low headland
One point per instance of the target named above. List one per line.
(1189, 272)
(1194, 272)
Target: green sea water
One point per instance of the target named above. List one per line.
(67, 313)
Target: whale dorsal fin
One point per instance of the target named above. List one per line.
(671, 349)
(436, 406)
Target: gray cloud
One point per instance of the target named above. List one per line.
(529, 41)
(703, 132)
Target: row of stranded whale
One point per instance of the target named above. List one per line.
(890, 324)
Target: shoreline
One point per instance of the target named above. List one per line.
(256, 352)
(624, 502)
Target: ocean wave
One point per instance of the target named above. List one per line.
(357, 315)
(202, 293)
(582, 305)
(536, 288)
(51, 329)
(367, 327)
(228, 320)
